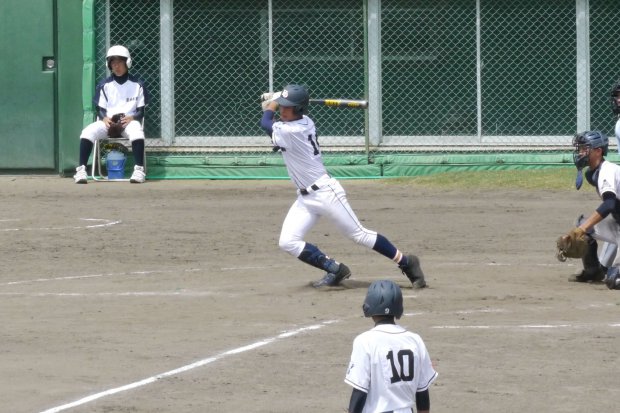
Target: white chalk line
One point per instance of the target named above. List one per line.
(188, 367)
(484, 310)
(240, 268)
(501, 264)
(131, 273)
(111, 274)
(104, 223)
(523, 326)
(121, 294)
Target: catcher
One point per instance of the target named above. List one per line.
(614, 98)
(120, 100)
(604, 223)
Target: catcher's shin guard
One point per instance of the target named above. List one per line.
(592, 269)
(612, 280)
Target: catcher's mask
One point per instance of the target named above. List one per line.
(296, 96)
(614, 99)
(584, 142)
(383, 298)
(118, 51)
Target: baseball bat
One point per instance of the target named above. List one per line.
(341, 103)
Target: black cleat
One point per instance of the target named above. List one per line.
(413, 271)
(331, 279)
(588, 275)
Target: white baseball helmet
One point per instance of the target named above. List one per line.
(120, 51)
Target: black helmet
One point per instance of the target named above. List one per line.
(383, 298)
(591, 140)
(296, 96)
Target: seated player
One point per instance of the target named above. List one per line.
(120, 100)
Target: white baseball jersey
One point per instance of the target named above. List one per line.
(391, 365)
(120, 98)
(608, 178)
(300, 149)
(115, 98)
(608, 230)
(302, 156)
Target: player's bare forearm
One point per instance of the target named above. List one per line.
(126, 119)
(592, 220)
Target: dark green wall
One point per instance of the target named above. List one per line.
(27, 85)
(70, 63)
(42, 117)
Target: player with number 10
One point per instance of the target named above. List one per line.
(390, 369)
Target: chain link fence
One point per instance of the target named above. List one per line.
(439, 75)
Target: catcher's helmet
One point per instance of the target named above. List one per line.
(383, 298)
(590, 140)
(296, 96)
(120, 51)
(614, 98)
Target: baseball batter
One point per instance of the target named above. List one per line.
(390, 369)
(604, 223)
(120, 96)
(319, 194)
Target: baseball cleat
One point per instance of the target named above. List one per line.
(413, 271)
(80, 175)
(138, 176)
(331, 279)
(588, 275)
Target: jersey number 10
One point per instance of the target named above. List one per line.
(314, 141)
(399, 372)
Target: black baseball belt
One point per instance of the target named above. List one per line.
(313, 187)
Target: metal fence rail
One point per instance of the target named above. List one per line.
(439, 75)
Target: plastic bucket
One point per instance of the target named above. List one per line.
(115, 163)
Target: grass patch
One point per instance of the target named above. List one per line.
(549, 179)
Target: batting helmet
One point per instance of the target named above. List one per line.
(383, 298)
(120, 51)
(590, 140)
(296, 96)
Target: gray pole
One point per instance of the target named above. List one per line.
(583, 64)
(167, 72)
(374, 72)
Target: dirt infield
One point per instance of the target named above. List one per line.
(173, 296)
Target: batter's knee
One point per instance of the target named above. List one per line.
(293, 247)
(364, 237)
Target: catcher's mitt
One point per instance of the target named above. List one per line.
(116, 127)
(572, 245)
(115, 130)
(118, 117)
